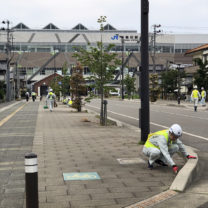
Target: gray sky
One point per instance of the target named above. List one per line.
(175, 16)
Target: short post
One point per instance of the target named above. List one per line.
(105, 102)
(31, 180)
(179, 100)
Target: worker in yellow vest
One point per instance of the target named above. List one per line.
(161, 145)
(195, 96)
(203, 97)
(33, 96)
(51, 99)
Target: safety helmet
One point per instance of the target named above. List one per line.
(51, 90)
(176, 130)
(195, 87)
(202, 88)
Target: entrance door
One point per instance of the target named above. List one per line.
(43, 90)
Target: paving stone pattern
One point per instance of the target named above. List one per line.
(16, 139)
(65, 144)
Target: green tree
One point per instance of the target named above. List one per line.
(65, 81)
(201, 76)
(101, 63)
(61, 84)
(129, 83)
(56, 86)
(78, 88)
(170, 80)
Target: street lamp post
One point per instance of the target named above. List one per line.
(8, 50)
(179, 84)
(122, 69)
(101, 20)
(154, 44)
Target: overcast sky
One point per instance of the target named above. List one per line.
(175, 16)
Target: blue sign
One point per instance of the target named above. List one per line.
(81, 176)
(115, 37)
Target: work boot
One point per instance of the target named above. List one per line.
(195, 108)
(150, 166)
(160, 162)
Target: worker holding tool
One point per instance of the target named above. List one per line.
(161, 145)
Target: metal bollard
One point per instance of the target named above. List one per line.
(31, 180)
(179, 100)
(105, 102)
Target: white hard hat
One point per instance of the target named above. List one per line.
(51, 90)
(195, 87)
(202, 88)
(176, 130)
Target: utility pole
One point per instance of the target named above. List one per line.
(179, 83)
(144, 72)
(8, 54)
(154, 45)
(122, 69)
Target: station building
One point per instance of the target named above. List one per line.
(38, 53)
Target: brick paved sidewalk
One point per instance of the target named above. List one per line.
(66, 144)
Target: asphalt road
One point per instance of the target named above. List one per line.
(194, 124)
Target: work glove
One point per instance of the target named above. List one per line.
(190, 157)
(175, 169)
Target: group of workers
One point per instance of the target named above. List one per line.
(50, 98)
(27, 96)
(196, 96)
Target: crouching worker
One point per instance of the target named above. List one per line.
(161, 145)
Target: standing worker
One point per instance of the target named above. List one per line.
(51, 98)
(33, 96)
(195, 96)
(27, 95)
(161, 145)
(203, 96)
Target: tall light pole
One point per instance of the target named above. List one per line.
(8, 51)
(101, 20)
(144, 72)
(154, 44)
(122, 68)
(179, 83)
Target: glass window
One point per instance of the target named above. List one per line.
(43, 49)
(23, 48)
(132, 48)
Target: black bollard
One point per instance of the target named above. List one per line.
(105, 102)
(179, 100)
(31, 180)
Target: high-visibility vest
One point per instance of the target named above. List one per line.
(203, 93)
(33, 94)
(51, 95)
(70, 102)
(164, 133)
(195, 93)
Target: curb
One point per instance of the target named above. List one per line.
(186, 175)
